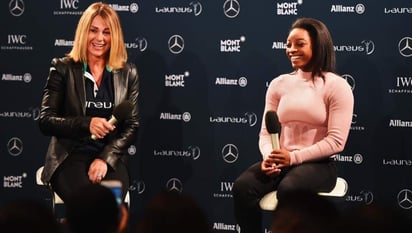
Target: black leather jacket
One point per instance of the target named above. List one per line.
(62, 114)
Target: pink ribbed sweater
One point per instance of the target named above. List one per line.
(315, 116)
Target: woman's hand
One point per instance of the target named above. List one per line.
(275, 161)
(100, 127)
(97, 170)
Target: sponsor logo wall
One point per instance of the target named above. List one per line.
(204, 68)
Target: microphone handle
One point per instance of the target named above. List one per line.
(112, 121)
(275, 141)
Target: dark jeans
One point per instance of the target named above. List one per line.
(252, 185)
(72, 174)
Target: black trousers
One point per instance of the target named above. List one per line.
(253, 184)
(72, 175)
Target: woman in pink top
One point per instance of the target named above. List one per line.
(314, 106)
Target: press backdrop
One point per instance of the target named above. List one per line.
(204, 67)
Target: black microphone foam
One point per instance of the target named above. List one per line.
(272, 122)
(122, 111)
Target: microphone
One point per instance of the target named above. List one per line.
(273, 128)
(120, 113)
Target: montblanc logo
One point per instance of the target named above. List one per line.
(14, 181)
(359, 9)
(366, 46)
(176, 80)
(194, 8)
(400, 123)
(231, 46)
(63, 43)
(191, 152)
(248, 119)
(26, 77)
(186, 116)
(288, 8)
(223, 81)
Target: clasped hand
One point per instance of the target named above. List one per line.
(100, 127)
(275, 161)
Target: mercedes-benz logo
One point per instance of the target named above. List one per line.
(16, 7)
(404, 46)
(176, 44)
(174, 184)
(15, 146)
(405, 199)
(350, 80)
(231, 8)
(230, 153)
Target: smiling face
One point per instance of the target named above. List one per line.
(299, 49)
(98, 39)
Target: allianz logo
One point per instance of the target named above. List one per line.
(224, 226)
(359, 9)
(400, 123)
(357, 158)
(186, 116)
(63, 43)
(223, 81)
(278, 45)
(13, 77)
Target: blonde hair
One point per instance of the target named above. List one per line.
(117, 54)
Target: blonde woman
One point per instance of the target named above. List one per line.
(82, 90)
